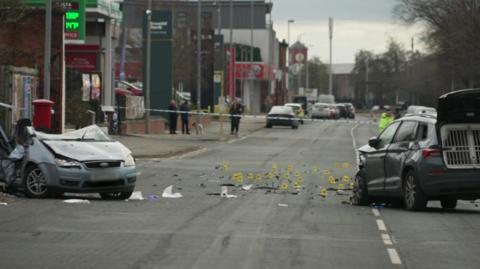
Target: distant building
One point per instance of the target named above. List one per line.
(343, 81)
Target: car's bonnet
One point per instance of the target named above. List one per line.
(89, 151)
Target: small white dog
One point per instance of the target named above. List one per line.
(199, 128)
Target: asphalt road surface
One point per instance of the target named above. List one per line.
(261, 228)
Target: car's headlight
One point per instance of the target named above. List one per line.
(67, 163)
(130, 161)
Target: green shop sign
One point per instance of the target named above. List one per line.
(74, 21)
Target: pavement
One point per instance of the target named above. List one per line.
(166, 145)
(262, 227)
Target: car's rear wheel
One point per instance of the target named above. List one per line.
(448, 203)
(414, 198)
(360, 191)
(35, 183)
(120, 195)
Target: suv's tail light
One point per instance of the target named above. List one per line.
(430, 152)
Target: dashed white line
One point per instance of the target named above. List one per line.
(394, 257)
(381, 225)
(386, 239)
(375, 212)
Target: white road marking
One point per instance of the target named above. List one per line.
(393, 254)
(375, 212)
(386, 239)
(354, 143)
(381, 225)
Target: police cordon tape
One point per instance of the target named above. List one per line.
(227, 115)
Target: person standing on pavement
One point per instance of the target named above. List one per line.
(184, 116)
(173, 115)
(236, 111)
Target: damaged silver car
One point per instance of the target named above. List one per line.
(83, 161)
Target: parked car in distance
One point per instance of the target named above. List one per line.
(420, 158)
(350, 110)
(282, 116)
(419, 110)
(334, 111)
(83, 161)
(342, 111)
(321, 111)
(298, 110)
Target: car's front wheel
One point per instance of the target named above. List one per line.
(448, 203)
(360, 192)
(120, 195)
(414, 198)
(35, 183)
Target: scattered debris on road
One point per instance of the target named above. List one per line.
(76, 201)
(136, 196)
(283, 205)
(168, 193)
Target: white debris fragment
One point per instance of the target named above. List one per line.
(340, 192)
(168, 193)
(224, 193)
(76, 201)
(136, 196)
(282, 205)
(247, 187)
(3, 203)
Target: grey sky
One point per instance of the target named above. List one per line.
(359, 24)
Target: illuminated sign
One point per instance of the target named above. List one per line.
(74, 21)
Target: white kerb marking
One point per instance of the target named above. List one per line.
(354, 143)
(375, 212)
(394, 257)
(381, 225)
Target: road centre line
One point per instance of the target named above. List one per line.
(381, 225)
(376, 212)
(386, 239)
(394, 257)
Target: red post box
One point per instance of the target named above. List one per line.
(42, 114)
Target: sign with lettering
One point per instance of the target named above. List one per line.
(74, 21)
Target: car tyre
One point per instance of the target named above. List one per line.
(35, 183)
(121, 195)
(294, 126)
(448, 203)
(360, 190)
(413, 196)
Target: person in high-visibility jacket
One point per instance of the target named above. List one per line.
(385, 120)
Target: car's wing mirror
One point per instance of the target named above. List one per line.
(374, 142)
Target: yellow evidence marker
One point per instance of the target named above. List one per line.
(289, 168)
(314, 169)
(238, 177)
(324, 193)
(250, 176)
(297, 185)
(286, 176)
(332, 180)
(351, 185)
(225, 166)
(326, 172)
(284, 186)
(271, 175)
(300, 179)
(346, 179)
(337, 165)
(258, 177)
(341, 186)
(346, 165)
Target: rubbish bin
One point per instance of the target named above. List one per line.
(42, 114)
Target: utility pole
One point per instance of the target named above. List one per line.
(366, 81)
(288, 54)
(330, 76)
(231, 80)
(199, 62)
(251, 74)
(48, 49)
(148, 12)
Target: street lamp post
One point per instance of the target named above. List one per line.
(48, 49)
(288, 52)
(330, 76)
(231, 79)
(199, 62)
(148, 12)
(251, 74)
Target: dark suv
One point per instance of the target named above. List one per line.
(420, 158)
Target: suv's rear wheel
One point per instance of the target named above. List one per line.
(121, 195)
(360, 191)
(415, 199)
(448, 203)
(35, 183)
